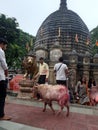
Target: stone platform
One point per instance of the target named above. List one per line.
(28, 113)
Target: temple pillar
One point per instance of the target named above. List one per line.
(86, 65)
(73, 58)
(54, 53)
(95, 69)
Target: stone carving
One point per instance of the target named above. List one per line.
(55, 54)
(26, 84)
(40, 53)
(30, 65)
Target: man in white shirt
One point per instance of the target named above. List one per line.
(3, 75)
(61, 71)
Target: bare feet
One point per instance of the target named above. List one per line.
(5, 118)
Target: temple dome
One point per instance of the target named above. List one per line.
(64, 27)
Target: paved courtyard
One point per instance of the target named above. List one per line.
(28, 115)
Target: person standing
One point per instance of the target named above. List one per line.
(3, 75)
(61, 71)
(43, 73)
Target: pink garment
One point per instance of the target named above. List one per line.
(94, 95)
(14, 83)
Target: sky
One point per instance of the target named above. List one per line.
(31, 13)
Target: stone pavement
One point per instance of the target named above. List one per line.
(28, 115)
(8, 125)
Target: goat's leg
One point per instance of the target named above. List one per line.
(67, 106)
(50, 104)
(45, 104)
(59, 112)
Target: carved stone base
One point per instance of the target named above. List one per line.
(25, 89)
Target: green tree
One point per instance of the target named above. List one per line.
(94, 38)
(17, 39)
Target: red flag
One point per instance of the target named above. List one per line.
(41, 32)
(27, 46)
(59, 32)
(88, 41)
(31, 42)
(76, 38)
(96, 42)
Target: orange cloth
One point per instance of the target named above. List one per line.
(14, 83)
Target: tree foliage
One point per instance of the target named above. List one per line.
(17, 40)
(94, 40)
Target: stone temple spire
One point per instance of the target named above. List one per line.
(63, 5)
